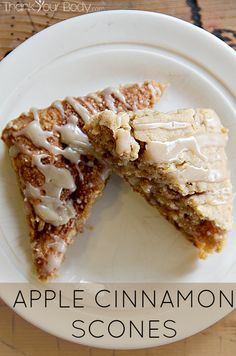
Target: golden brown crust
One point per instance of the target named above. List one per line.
(203, 215)
(44, 235)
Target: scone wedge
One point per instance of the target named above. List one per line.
(58, 172)
(177, 161)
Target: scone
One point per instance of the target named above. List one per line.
(58, 172)
(177, 161)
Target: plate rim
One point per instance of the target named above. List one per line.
(217, 45)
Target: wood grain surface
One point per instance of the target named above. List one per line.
(17, 23)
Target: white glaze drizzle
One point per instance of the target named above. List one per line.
(169, 150)
(192, 173)
(53, 262)
(34, 132)
(51, 208)
(209, 201)
(95, 97)
(157, 151)
(154, 90)
(109, 100)
(123, 141)
(134, 106)
(55, 178)
(88, 104)
(105, 173)
(72, 135)
(58, 244)
(72, 155)
(55, 250)
(58, 105)
(80, 109)
(77, 141)
(171, 125)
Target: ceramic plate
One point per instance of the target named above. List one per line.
(125, 240)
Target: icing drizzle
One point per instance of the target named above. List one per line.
(51, 208)
(171, 125)
(80, 109)
(109, 94)
(176, 150)
(170, 151)
(157, 151)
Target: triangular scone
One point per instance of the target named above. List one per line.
(177, 161)
(58, 173)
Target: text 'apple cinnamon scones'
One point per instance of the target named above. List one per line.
(58, 172)
(177, 161)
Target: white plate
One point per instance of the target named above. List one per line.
(129, 241)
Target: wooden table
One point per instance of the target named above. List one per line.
(17, 337)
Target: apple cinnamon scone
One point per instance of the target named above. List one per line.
(58, 172)
(177, 161)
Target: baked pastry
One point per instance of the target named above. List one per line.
(177, 161)
(58, 173)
